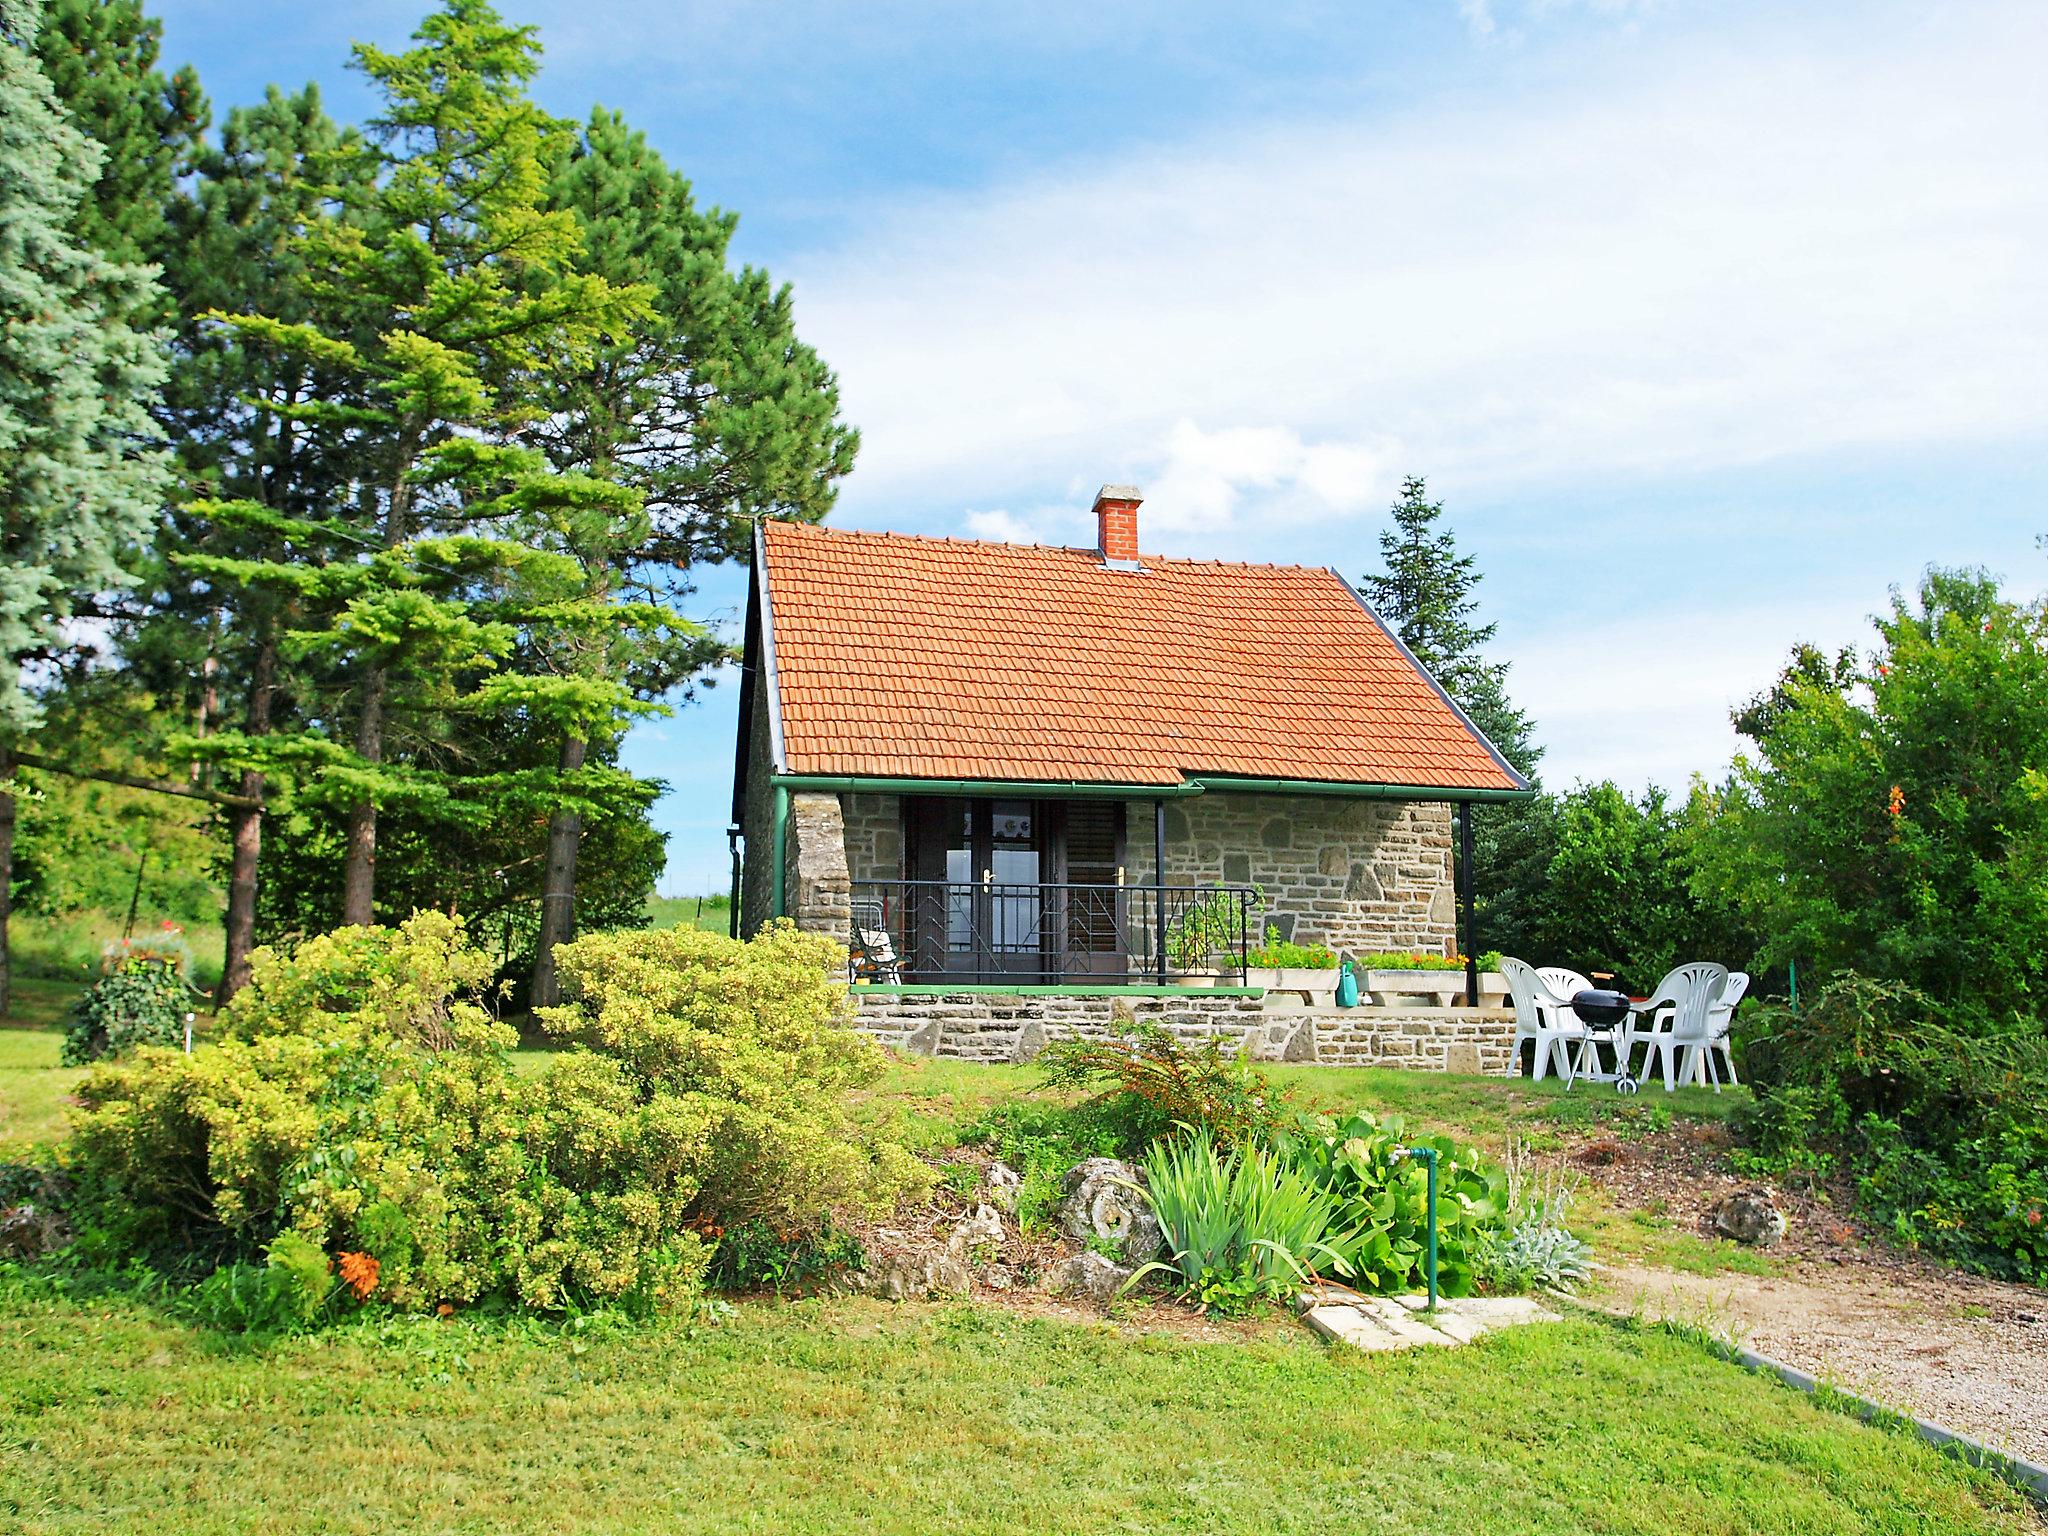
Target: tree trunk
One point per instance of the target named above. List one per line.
(6, 879)
(558, 894)
(359, 873)
(245, 825)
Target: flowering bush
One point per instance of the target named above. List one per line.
(365, 1103)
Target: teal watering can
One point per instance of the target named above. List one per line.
(1347, 987)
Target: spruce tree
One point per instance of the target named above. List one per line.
(79, 478)
(711, 413)
(1426, 595)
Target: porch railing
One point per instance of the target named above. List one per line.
(939, 931)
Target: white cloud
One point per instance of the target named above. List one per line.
(1714, 254)
(998, 524)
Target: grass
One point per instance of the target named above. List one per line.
(32, 1086)
(845, 1414)
(711, 913)
(66, 947)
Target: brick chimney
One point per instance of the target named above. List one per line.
(1116, 526)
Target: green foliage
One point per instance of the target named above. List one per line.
(1209, 928)
(1284, 954)
(757, 1253)
(100, 56)
(1041, 1141)
(79, 480)
(1407, 960)
(1945, 1124)
(747, 1046)
(1379, 1206)
(1894, 818)
(1156, 1084)
(134, 1005)
(1242, 1224)
(1619, 893)
(361, 1102)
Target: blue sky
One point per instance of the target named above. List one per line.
(1709, 322)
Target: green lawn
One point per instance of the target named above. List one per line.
(32, 1085)
(851, 1415)
(713, 914)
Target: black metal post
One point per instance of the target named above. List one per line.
(1469, 944)
(1159, 884)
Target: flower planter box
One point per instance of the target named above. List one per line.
(1293, 978)
(1431, 989)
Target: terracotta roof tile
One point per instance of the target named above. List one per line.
(905, 657)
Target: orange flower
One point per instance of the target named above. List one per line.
(1896, 806)
(359, 1274)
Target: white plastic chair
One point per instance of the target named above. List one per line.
(1721, 1019)
(1542, 1016)
(1681, 1029)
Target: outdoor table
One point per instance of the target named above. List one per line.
(1603, 1014)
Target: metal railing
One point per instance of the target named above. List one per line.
(985, 932)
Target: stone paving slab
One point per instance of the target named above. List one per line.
(1402, 1322)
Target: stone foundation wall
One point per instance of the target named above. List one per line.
(999, 1027)
(1357, 875)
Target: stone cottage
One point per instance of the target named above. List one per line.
(1047, 786)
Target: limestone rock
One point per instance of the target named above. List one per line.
(1103, 1202)
(910, 1276)
(999, 1187)
(29, 1231)
(1750, 1216)
(1090, 1275)
(981, 1230)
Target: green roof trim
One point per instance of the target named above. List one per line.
(1083, 789)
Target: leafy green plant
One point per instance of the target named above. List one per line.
(1156, 1083)
(1944, 1121)
(1406, 960)
(1535, 1249)
(143, 1004)
(1278, 954)
(1041, 1141)
(1212, 924)
(755, 1253)
(1380, 1204)
(1241, 1224)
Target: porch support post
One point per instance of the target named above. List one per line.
(1469, 943)
(732, 843)
(779, 901)
(1159, 885)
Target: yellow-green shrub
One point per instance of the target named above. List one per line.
(362, 1103)
(746, 1048)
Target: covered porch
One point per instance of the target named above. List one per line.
(1077, 886)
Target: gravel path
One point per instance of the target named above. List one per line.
(1968, 1353)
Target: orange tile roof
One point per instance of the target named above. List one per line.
(906, 657)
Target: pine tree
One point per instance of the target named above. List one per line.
(1426, 595)
(79, 480)
(713, 412)
(435, 289)
(244, 418)
(100, 57)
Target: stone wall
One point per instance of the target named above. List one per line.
(997, 1027)
(874, 836)
(818, 892)
(1358, 875)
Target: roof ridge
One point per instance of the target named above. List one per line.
(897, 535)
